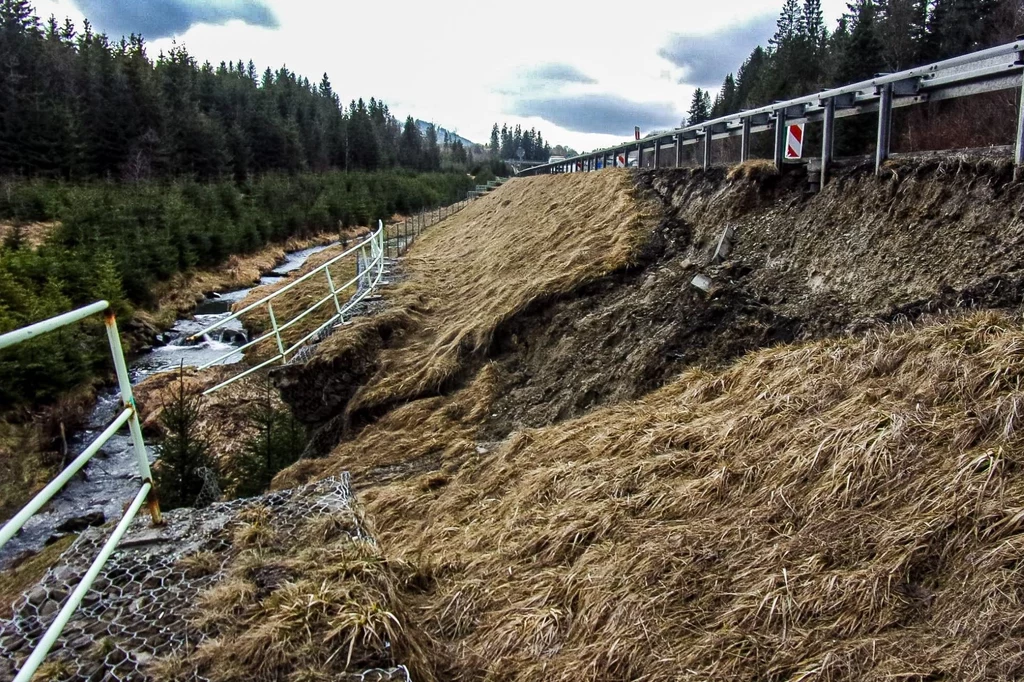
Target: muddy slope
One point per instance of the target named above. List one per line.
(928, 236)
(925, 238)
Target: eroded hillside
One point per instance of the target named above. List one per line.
(571, 463)
(783, 486)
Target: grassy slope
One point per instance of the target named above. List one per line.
(847, 509)
(530, 241)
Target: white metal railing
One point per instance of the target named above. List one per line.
(146, 494)
(369, 255)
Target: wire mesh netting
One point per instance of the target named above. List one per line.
(139, 606)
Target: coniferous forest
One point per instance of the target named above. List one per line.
(872, 37)
(146, 166)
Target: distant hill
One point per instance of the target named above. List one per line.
(422, 125)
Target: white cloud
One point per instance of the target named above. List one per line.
(467, 64)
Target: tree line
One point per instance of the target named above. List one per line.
(874, 36)
(75, 104)
(148, 167)
(115, 241)
(506, 143)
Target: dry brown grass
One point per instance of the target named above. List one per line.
(755, 169)
(847, 509)
(530, 240)
(33, 445)
(35, 234)
(290, 607)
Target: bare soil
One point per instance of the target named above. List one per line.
(930, 235)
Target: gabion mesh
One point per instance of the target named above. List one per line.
(137, 609)
(210, 491)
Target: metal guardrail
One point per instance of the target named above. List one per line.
(370, 259)
(997, 68)
(146, 494)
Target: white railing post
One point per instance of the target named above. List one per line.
(277, 332)
(334, 292)
(128, 399)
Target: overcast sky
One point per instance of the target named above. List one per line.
(580, 72)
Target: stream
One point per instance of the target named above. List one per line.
(111, 478)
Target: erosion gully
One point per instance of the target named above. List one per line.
(98, 492)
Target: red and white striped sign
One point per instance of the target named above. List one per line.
(620, 161)
(795, 141)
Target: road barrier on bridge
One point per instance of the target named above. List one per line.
(997, 68)
(146, 494)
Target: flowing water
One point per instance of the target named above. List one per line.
(111, 478)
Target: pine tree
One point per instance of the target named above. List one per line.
(506, 143)
(362, 141)
(495, 146)
(901, 30)
(184, 453)
(863, 58)
(700, 107)
(410, 145)
(749, 77)
(278, 441)
(431, 152)
(725, 100)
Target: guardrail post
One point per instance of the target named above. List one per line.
(745, 140)
(334, 292)
(128, 399)
(679, 151)
(884, 126)
(827, 138)
(657, 153)
(780, 138)
(277, 334)
(639, 154)
(707, 148)
(1018, 151)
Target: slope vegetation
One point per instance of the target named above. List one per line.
(522, 246)
(586, 468)
(846, 509)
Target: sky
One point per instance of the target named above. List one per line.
(583, 73)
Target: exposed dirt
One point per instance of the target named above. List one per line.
(531, 240)
(930, 235)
